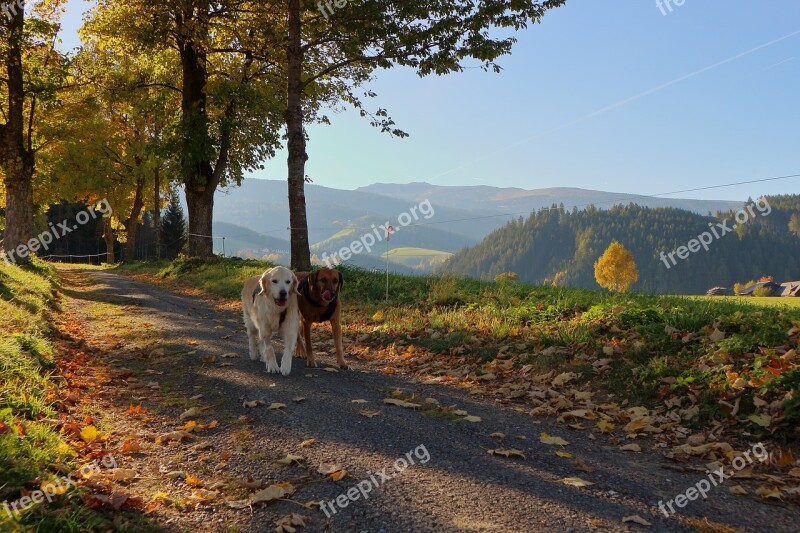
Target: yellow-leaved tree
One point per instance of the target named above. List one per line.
(616, 269)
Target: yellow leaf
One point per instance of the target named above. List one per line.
(552, 440)
(369, 413)
(277, 405)
(565, 455)
(308, 442)
(472, 418)
(89, 434)
(605, 426)
(632, 447)
(762, 420)
(769, 492)
(400, 403)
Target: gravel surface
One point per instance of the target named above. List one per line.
(453, 485)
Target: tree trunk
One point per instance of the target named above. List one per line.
(108, 237)
(296, 143)
(16, 159)
(200, 178)
(200, 210)
(132, 224)
(157, 209)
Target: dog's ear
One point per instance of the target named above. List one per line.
(312, 280)
(341, 281)
(265, 277)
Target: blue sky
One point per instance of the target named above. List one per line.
(551, 118)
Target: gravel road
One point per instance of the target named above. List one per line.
(453, 485)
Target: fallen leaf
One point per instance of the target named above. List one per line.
(89, 434)
(173, 436)
(358, 401)
(565, 455)
(253, 403)
(636, 519)
(762, 420)
(290, 523)
(472, 418)
(552, 440)
(632, 447)
(581, 465)
(277, 405)
(307, 442)
(507, 452)
(123, 474)
(369, 413)
(189, 413)
(769, 492)
(498, 435)
(298, 399)
(576, 482)
(401, 403)
(737, 490)
(289, 459)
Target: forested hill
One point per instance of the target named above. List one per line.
(555, 245)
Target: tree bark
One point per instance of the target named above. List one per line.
(132, 224)
(200, 208)
(200, 178)
(296, 143)
(16, 159)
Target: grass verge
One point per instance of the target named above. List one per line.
(711, 361)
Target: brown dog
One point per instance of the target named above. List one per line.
(319, 302)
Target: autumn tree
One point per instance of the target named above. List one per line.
(616, 268)
(229, 102)
(33, 71)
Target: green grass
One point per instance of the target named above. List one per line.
(413, 256)
(790, 302)
(29, 446)
(445, 315)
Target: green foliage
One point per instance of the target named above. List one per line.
(555, 245)
(173, 228)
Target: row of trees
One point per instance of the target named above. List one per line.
(194, 93)
(560, 247)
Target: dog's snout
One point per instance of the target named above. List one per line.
(283, 293)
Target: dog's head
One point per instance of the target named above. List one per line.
(327, 282)
(278, 283)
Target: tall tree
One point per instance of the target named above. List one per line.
(173, 228)
(33, 71)
(332, 49)
(229, 111)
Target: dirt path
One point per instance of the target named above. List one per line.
(163, 349)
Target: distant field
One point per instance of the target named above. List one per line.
(754, 300)
(413, 256)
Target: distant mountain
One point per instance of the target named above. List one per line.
(513, 200)
(255, 216)
(560, 247)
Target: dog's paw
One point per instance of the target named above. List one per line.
(345, 367)
(286, 371)
(312, 365)
(272, 367)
